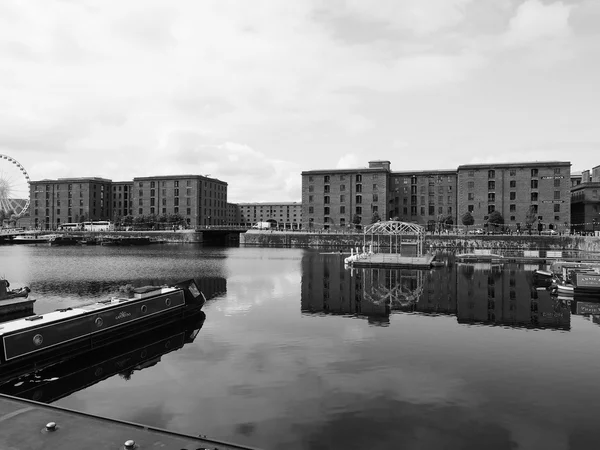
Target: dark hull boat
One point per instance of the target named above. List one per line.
(69, 331)
(123, 357)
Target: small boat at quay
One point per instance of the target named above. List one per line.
(124, 357)
(69, 331)
(33, 238)
(14, 302)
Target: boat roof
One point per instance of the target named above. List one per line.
(65, 313)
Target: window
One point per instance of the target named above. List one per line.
(471, 185)
(375, 197)
(471, 173)
(326, 199)
(512, 173)
(358, 210)
(342, 210)
(374, 187)
(431, 210)
(491, 174)
(557, 171)
(440, 189)
(310, 199)
(375, 208)
(470, 208)
(176, 183)
(342, 187)
(534, 196)
(310, 179)
(513, 184)
(141, 193)
(326, 210)
(141, 184)
(359, 178)
(512, 218)
(491, 208)
(342, 198)
(534, 209)
(152, 184)
(311, 209)
(556, 195)
(342, 177)
(534, 172)
(557, 207)
(491, 185)
(176, 192)
(491, 197)
(557, 182)
(359, 188)
(141, 211)
(311, 188)
(358, 199)
(557, 218)
(326, 178)
(534, 184)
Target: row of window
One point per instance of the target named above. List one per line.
(512, 172)
(327, 188)
(342, 177)
(327, 198)
(513, 208)
(533, 196)
(163, 183)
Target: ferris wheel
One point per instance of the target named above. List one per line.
(14, 187)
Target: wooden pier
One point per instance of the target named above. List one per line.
(26, 424)
(393, 261)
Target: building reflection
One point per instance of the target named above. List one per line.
(485, 294)
(493, 295)
(328, 288)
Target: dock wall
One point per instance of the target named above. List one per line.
(432, 242)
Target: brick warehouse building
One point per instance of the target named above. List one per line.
(585, 202)
(200, 200)
(68, 200)
(285, 215)
(330, 198)
(514, 188)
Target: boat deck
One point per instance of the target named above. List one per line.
(23, 424)
(393, 260)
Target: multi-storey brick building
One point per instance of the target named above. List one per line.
(424, 197)
(335, 199)
(68, 200)
(121, 200)
(585, 202)
(199, 200)
(515, 190)
(285, 215)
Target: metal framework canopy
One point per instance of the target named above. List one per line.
(393, 227)
(396, 230)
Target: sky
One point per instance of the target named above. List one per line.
(255, 92)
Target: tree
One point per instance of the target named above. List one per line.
(356, 219)
(467, 219)
(495, 219)
(375, 217)
(444, 221)
(530, 218)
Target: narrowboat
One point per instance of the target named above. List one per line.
(123, 357)
(40, 338)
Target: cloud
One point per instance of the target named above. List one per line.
(534, 20)
(349, 161)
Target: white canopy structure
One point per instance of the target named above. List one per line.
(396, 232)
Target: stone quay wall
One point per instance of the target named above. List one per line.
(431, 243)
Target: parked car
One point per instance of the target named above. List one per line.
(476, 231)
(550, 232)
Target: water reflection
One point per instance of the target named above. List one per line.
(486, 294)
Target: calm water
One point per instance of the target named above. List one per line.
(298, 353)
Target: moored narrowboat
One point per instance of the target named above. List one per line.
(41, 338)
(124, 357)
